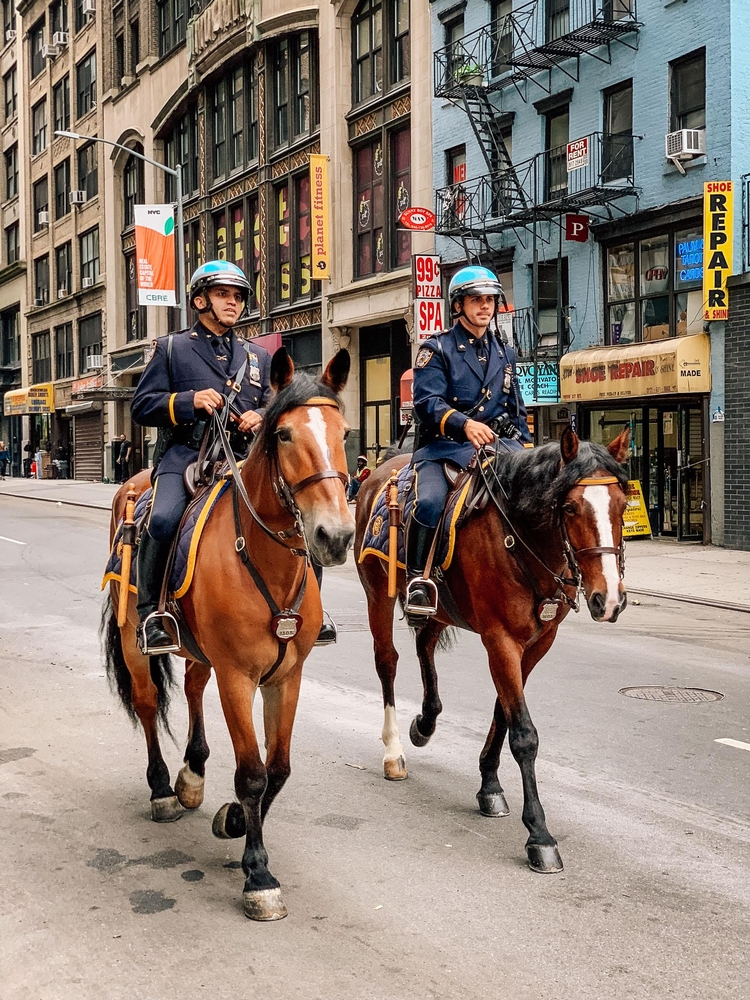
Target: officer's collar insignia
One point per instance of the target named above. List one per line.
(423, 357)
(194, 335)
(462, 347)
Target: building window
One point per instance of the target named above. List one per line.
(453, 199)
(181, 146)
(382, 182)
(86, 83)
(172, 18)
(237, 235)
(374, 62)
(41, 204)
(220, 128)
(501, 35)
(88, 174)
(302, 85)
(253, 143)
(135, 46)
(617, 152)
(454, 35)
(62, 189)
(254, 216)
(558, 19)
(89, 254)
(688, 91)
(41, 280)
(654, 287)
(41, 358)
(136, 314)
(400, 44)
(12, 243)
(90, 341)
(61, 104)
(10, 81)
(11, 172)
(119, 58)
(281, 92)
(9, 17)
(295, 87)
(59, 16)
(10, 337)
(237, 119)
(64, 269)
(556, 149)
(132, 182)
(64, 351)
(39, 127)
(283, 284)
(220, 235)
(81, 18)
(302, 285)
(36, 41)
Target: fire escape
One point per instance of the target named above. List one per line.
(589, 175)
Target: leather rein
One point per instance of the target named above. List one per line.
(286, 622)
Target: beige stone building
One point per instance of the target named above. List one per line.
(240, 93)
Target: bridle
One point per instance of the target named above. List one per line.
(573, 555)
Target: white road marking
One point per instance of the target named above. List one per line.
(316, 423)
(599, 498)
(14, 540)
(734, 743)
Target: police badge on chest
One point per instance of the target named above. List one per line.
(507, 378)
(253, 368)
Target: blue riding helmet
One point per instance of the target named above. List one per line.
(218, 272)
(473, 280)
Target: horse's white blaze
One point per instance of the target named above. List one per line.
(316, 423)
(391, 738)
(600, 500)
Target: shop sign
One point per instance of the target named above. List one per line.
(681, 365)
(540, 382)
(689, 262)
(155, 255)
(577, 228)
(35, 399)
(319, 217)
(578, 154)
(429, 318)
(635, 522)
(420, 220)
(718, 232)
(94, 382)
(426, 273)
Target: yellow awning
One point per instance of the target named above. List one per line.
(660, 368)
(33, 399)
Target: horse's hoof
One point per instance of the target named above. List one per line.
(493, 804)
(415, 736)
(229, 822)
(395, 769)
(166, 810)
(544, 858)
(263, 904)
(189, 788)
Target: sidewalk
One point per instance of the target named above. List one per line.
(659, 566)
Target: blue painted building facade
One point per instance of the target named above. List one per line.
(551, 116)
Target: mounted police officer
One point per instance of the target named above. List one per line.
(466, 394)
(187, 379)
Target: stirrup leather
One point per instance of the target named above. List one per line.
(163, 615)
(418, 609)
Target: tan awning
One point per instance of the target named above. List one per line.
(33, 399)
(662, 368)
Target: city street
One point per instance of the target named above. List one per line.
(396, 891)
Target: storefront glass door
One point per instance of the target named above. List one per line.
(377, 407)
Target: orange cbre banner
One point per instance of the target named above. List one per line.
(155, 255)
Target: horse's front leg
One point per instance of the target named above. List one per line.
(192, 777)
(505, 657)
(491, 798)
(262, 894)
(380, 609)
(279, 709)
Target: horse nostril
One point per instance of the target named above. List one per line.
(597, 604)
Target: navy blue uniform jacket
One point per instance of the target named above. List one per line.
(450, 387)
(163, 402)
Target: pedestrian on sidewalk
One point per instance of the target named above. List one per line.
(4, 460)
(123, 460)
(358, 477)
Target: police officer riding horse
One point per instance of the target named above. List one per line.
(466, 396)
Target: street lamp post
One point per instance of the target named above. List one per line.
(177, 174)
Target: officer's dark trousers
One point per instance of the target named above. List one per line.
(431, 492)
(170, 500)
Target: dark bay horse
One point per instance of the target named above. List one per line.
(294, 476)
(513, 580)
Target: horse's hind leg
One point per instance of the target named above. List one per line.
(490, 796)
(192, 777)
(380, 609)
(423, 726)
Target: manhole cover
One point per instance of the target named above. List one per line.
(672, 695)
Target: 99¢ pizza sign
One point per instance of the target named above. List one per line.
(429, 316)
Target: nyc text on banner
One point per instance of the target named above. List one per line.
(155, 255)
(718, 233)
(319, 217)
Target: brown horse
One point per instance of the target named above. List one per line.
(513, 579)
(294, 476)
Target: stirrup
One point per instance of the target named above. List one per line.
(327, 620)
(420, 609)
(141, 634)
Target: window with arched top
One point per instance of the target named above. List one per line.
(381, 56)
(132, 181)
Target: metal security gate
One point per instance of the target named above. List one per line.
(88, 456)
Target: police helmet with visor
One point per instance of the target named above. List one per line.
(473, 280)
(217, 272)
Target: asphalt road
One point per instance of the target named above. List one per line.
(395, 891)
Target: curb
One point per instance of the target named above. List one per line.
(685, 599)
(56, 500)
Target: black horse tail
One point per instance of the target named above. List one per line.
(119, 676)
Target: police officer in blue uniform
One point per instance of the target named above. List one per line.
(466, 395)
(181, 387)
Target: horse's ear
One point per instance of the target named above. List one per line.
(282, 369)
(337, 371)
(619, 449)
(569, 445)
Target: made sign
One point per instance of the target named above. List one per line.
(426, 272)
(421, 220)
(578, 154)
(429, 319)
(718, 232)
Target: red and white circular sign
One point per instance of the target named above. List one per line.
(419, 219)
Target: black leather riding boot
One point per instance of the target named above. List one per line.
(152, 564)
(421, 595)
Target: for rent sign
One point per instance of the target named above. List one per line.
(718, 231)
(578, 154)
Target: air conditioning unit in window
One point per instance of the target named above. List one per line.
(39, 302)
(50, 52)
(60, 38)
(77, 197)
(43, 218)
(87, 283)
(685, 144)
(89, 8)
(94, 361)
(62, 292)
(10, 34)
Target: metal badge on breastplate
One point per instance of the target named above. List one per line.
(548, 610)
(286, 625)
(507, 378)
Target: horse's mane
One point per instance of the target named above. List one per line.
(536, 485)
(300, 389)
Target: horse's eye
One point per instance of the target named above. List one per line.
(284, 434)
(569, 508)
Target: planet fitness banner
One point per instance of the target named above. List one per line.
(155, 253)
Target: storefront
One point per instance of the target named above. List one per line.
(37, 402)
(385, 354)
(661, 390)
